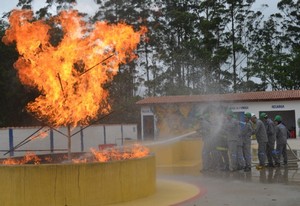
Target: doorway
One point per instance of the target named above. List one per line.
(288, 119)
(148, 127)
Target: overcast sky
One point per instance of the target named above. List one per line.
(88, 6)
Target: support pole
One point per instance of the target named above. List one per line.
(69, 143)
(51, 141)
(81, 138)
(104, 133)
(122, 134)
(11, 142)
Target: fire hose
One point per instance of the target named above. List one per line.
(293, 153)
(170, 140)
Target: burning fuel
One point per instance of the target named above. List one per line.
(70, 71)
(40, 135)
(69, 60)
(28, 158)
(106, 155)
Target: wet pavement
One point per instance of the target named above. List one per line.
(182, 185)
(270, 186)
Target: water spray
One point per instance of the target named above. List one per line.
(171, 140)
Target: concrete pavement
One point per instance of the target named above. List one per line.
(187, 186)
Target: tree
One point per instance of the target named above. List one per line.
(236, 16)
(178, 48)
(288, 70)
(276, 49)
(212, 53)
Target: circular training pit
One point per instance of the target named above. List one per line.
(82, 184)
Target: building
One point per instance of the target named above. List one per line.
(169, 116)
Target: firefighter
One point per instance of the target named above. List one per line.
(282, 134)
(222, 149)
(232, 134)
(270, 128)
(262, 140)
(208, 147)
(245, 136)
(240, 156)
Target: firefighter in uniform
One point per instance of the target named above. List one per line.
(232, 135)
(245, 136)
(208, 147)
(262, 140)
(270, 128)
(282, 135)
(222, 149)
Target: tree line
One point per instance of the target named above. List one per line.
(193, 47)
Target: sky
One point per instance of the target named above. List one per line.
(88, 6)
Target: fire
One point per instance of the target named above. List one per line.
(29, 157)
(40, 135)
(112, 154)
(106, 155)
(69, 71)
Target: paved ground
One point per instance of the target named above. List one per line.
(278, 186)
(187, 186)
(271, 186)
(181, 186)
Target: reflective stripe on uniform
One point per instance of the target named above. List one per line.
(221, 148)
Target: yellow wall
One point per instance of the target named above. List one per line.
(188, 149)
(77, 184)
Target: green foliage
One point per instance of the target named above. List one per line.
(276, 48)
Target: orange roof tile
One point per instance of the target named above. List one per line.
(231, 97)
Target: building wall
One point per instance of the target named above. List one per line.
(272, 106)
(176, 119)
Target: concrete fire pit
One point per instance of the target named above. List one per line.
(82, 184)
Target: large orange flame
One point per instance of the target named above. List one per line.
(71, 91)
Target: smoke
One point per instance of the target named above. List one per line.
(176, 122)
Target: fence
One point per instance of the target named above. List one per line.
(17, 141)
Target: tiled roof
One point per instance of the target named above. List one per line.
(231, 97)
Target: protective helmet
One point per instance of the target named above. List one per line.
(263, 115)
(248, 115)
(234, 116)
(277, 118)
(206, 116)
(229, 112)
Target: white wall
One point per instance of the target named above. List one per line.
(91, 137)
(252, 107)
(256, 107)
